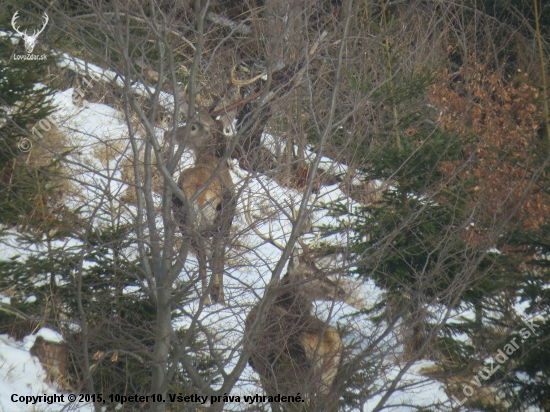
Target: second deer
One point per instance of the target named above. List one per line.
(293, 350)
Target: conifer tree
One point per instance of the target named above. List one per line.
(443, 234)
(23, 102)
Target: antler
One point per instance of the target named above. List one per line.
(297, 79)
(35, 34)
(269, 238)
(238, 103)
(305, 246)
(230, 107)
(236, 82)
(13, 24)
(241, 102)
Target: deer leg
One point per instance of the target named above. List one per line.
(225, 211)
(217, 263)
(201, 258)
(330, 353)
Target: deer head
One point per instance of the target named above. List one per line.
(205, 134)
(307, 270)
(30, 39)
(309, 276)
(217, 117)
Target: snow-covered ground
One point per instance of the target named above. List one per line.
(91, 129)
(23, 384)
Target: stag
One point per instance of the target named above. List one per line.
(209, 189)
(208, 185)
(294, 351)
(30, 39)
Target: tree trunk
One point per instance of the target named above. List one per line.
(162, 347)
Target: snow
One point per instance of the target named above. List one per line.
(22, 375)
(91, 128)
(93, 73)
(50, 335)
(419, 390)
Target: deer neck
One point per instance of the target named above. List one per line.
(207, 155)
(206, 158)
(210, 150)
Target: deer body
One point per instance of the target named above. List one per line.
(294, 351)
(210, 202)
(214, 207)
(53, 358)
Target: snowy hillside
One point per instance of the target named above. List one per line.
(94, 127)
(23, 379)
(220, 199)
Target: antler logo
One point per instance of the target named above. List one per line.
(30, 39)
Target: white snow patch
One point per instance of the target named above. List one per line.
(50, 335)
(22, 375)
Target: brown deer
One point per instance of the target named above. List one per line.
(53, 357)
(294, 351)
(208, 185)
(211, 195)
